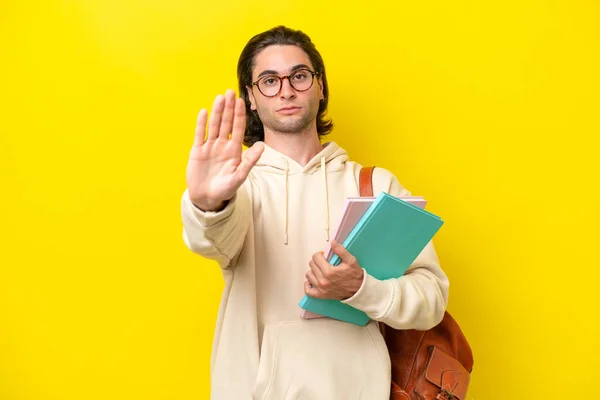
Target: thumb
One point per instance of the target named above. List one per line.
(249, 160)
(342, 253)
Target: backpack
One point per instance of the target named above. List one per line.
(435, 364)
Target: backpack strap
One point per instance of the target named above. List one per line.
(365, 182)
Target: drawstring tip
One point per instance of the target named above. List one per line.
(327, 235)
(285, 241)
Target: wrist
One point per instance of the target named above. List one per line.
(359, 282)
(209, 206)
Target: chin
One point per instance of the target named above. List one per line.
(297, 127)
(288, 125)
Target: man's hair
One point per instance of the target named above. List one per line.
(279, 35)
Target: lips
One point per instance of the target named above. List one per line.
(288, 110)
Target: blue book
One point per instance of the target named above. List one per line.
(385, 241)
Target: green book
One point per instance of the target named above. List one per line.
(385, 241)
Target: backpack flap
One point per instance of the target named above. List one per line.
(447, 374)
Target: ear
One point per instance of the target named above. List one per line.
(251, 97)
(320, 80)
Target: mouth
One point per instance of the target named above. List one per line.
(289, 110)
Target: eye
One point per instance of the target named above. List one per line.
(300, 75)
(269, 81)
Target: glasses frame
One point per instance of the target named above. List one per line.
(281, 78)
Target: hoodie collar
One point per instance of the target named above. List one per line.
(331, 152)
(331, 158)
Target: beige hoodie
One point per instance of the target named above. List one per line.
(263, 241)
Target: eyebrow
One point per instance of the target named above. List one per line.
(272, 72)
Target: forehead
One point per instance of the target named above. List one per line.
(280, 59)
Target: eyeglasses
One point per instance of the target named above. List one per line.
(301, 80)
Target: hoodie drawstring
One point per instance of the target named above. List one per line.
(324, 174)
(287, 169)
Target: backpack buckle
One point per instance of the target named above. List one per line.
(444, 395)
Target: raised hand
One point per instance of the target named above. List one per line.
(216, 168)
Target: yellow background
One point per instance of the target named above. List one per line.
(489, 109)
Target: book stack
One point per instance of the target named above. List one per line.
(386, 234)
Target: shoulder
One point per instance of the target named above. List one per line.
(384, 180)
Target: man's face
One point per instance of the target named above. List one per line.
(289, 111)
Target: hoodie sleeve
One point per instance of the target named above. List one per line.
(217, 236)
(416, 300)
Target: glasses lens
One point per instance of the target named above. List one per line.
(301, 80)
(269, 85)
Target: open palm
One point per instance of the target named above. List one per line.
(216, 167)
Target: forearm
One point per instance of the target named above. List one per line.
(416, 300)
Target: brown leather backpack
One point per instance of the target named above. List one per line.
(435, 364)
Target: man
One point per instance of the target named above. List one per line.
(264, 216)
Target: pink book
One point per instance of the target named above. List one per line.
(352, 210)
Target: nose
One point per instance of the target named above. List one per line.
(287, 91)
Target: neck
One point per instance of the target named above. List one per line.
(299, 146)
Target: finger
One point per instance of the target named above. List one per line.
(342, 253)
(215, 117)
(227, 119)
(200, 128)
(316, 271)
(239, 121)
(312, 278)
(249, 160)
(321, 263)
(309, 290)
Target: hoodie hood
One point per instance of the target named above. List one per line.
(332, 154)
(331, 158)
